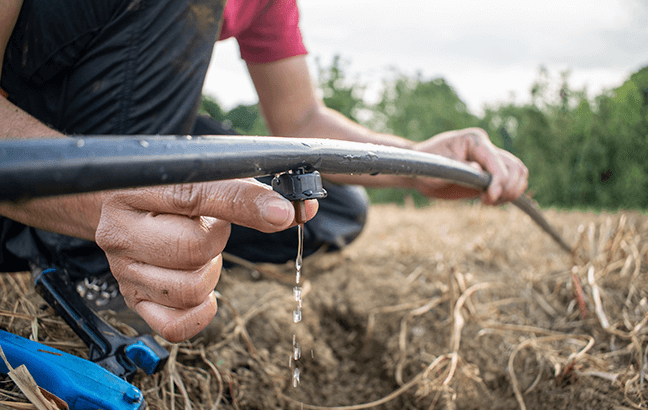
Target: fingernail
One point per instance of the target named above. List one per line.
(276, 211)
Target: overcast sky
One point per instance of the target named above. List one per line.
(489, 51)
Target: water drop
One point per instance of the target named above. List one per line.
(297, 293)
(80, 143)
(144, 143)
(297, 316)
(296, 377)
(297, 352)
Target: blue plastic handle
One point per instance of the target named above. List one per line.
(83, 385)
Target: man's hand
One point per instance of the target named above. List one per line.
(292, 108)
(472, 145)
(164, 245)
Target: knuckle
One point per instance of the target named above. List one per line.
(198, 243)
(191, 248)
(130, 297)
(193, 295)
(478, 132)
(198, 287)
(125, 272)
(235, 194)
(185, 198)
(111, 235)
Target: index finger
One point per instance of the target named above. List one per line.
(244, 202)
(485, 153)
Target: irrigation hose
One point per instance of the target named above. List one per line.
(31, 168)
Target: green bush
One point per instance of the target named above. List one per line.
(580, 152)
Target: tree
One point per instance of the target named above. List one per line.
(243, 119)
(580, 152)
(338, 92)
(418, 108)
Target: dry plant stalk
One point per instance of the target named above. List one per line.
(534, 341)
(609, 260)
(458, 324)
(596, 295)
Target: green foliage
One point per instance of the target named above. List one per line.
(411, 107)
(243, 119)
(338, 93)
(580, 152)
(418, 109)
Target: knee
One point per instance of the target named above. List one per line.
(342, 215)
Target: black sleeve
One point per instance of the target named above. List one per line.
(9, 230)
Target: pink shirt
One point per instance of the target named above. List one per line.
(266, 30)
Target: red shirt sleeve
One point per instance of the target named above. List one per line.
(266, 30)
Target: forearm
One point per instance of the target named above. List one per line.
(16, 123)
(74, 215)
(324, 122)
(291, 109)
(327, 123)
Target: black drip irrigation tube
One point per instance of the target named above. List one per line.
(31, 168)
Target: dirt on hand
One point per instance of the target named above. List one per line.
(455, 305)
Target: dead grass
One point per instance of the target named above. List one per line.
(451, 306)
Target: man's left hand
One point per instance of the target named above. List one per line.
(472, 146)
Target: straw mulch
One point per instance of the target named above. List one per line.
(451, 306)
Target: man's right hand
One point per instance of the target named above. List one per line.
(164, 243)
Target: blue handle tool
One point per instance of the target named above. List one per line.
(83, 385)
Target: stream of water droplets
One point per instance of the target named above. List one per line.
(297, 294)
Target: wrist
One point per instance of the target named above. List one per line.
(74, 215)
(394, 141)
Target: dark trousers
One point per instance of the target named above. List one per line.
(129, 67)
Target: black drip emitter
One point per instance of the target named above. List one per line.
(298, 186)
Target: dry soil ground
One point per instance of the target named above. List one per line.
(450, 306)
